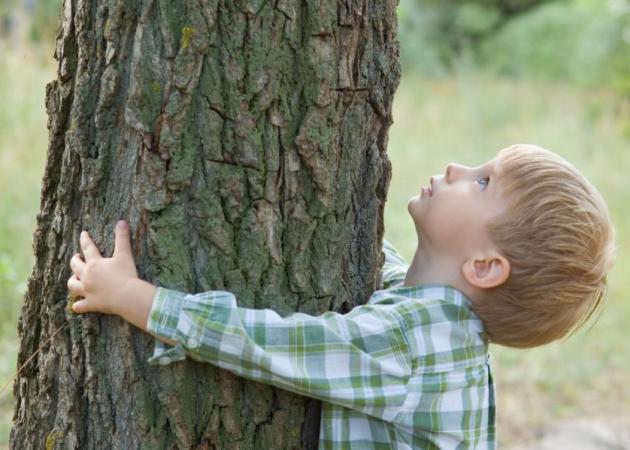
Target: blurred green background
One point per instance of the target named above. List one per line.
(478, 75)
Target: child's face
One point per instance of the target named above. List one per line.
(451, 217)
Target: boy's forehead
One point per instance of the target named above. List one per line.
(494, 166)
(503, 183)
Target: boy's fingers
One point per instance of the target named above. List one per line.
(75, 286)
(87, 245)
(80, 306)
(77, 265)
(122, 244)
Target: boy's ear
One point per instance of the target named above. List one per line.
(486, 271)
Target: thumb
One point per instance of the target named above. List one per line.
(80, 306)
(122, 244)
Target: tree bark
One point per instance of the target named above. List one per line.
(244, 141)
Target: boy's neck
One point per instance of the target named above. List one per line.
(429, 267)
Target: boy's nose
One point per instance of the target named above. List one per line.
(455, 171)
(452, 171)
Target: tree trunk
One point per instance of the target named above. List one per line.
(244, 141)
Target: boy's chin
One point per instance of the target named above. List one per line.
(413, 205)
(414, 209)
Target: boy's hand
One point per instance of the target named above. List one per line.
(103, 282)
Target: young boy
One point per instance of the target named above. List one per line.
(513, 252)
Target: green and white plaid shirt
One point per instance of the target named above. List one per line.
(407, 370)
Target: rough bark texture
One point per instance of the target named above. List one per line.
(245, 143)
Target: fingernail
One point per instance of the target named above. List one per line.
(122, 224)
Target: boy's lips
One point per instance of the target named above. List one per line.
(429, 189)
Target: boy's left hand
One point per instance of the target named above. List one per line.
(102, 282)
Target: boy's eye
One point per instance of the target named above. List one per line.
(484, 181)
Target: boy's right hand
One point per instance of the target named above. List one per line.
(102, 282)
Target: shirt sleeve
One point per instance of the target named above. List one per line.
(394, 268)
(359, 360)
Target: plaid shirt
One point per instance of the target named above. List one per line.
(407, 370)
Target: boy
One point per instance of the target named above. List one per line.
(513, 252)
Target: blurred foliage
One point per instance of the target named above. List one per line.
(45, 20)
(586, 42)
(9, 282)
(42, 17)
(450, 28)
(581, 41)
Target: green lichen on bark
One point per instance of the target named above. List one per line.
(51, 439)
(187, 33)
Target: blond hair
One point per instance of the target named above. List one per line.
(559, 240)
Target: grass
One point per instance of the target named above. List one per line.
(465, 118)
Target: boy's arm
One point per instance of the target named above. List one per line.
(359, 360)
(394, 268)
(136, 312)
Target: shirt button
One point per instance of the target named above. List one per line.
(193, 342)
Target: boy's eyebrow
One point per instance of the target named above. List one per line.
(495, 172)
